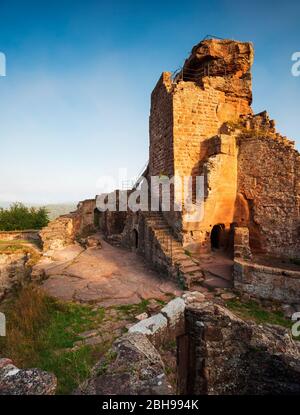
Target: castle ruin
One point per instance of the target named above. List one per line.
(202, 124)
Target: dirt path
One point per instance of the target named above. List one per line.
(104, 276)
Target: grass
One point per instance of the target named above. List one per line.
(251, 310)
(13, 241)
(132, 310)
(41, 332)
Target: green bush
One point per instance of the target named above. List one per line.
(20, 217)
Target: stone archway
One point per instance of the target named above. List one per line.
(97, 217)
(216, 236)
(135, 239)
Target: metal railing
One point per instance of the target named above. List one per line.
(196, 74)
(132, 184)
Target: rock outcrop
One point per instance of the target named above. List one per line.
(14, 381)
(227, 63)
(135, 368)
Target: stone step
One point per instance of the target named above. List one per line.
(154, 215)
(190, 268)
(181, 257)
(163, 226)
(177, 248)
(186, 262)
(163, 235)
(194, 279)
(165, 240)
(158, 221)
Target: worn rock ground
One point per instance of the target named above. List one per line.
(105, 276)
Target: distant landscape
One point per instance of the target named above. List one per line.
(54, 210)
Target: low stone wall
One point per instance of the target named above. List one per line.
(266, 282)
(27, 235)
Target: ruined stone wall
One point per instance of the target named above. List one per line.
(59, 233)
(229, 356)
(84, 217)
(269, 188)
(161, 159)
(65, 229)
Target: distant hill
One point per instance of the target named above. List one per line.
(54, 210)
(60, 209)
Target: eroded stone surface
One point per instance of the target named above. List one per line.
(14, 381)
(153, 327)
(136, 368)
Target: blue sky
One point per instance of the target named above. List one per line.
(75, 102)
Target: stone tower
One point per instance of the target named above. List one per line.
(201, 123)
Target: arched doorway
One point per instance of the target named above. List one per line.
(135, 238)
(216, 236)
(96, 218)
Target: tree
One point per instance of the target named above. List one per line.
(20, 217)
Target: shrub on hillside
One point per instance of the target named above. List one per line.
(20, 217)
